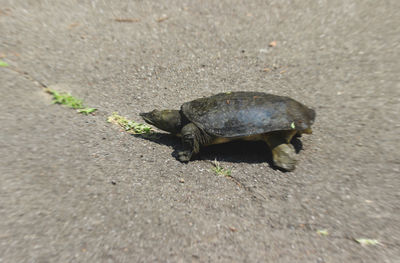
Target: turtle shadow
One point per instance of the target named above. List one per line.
(235, 152)
(243, 152)
(160, 138)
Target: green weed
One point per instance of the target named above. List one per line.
(323, 232)
(65, 99)
(219, 170)
(68, 100)
(128, 125)
(87, 111)
(366, 241)
(3, 63)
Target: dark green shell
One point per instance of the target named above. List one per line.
(235, 114)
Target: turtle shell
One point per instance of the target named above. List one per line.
(237, 114)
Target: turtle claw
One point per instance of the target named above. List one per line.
(184, 156)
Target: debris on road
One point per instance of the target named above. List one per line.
(162, 18)
(127, 20)
(272, 44)
(233, 229)
(367, 242)
(73, 25)
(323, 232)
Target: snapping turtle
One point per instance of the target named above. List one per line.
(237, 115)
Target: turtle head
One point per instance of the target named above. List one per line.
(166, 120)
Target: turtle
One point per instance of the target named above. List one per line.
(241, 115)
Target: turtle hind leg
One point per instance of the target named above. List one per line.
(191, 140)
(283, 153)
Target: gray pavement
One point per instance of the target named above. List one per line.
(75, 188)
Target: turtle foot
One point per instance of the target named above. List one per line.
(284, 157)
(184, 156)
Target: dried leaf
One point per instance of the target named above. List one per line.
(162, 18)
(127, 20)
(233, 229)
(272, 44)
(73, 25)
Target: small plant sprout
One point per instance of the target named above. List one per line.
(367, 242)
(219, 170)
(3, 63)
(68, 100)
(87, 111)
(322, 232)
(293, 126)
(128, 125)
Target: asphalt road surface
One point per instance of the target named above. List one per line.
(75, 188)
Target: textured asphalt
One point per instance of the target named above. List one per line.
(75, 188)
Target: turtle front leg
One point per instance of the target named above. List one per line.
(190, 139)
(283, 153)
